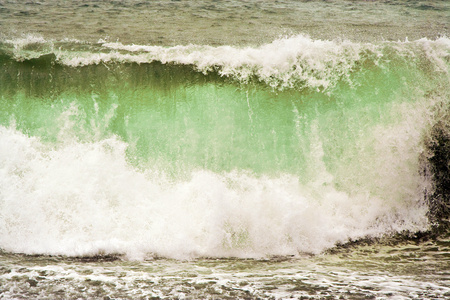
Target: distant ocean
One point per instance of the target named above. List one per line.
(224, 149)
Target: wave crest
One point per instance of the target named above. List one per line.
(290, 62)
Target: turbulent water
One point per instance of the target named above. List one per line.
(224, 167)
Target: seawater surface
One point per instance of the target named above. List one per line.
(224, 22)
(162, 163)
(406, 271)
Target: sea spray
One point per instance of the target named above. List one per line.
(84, 198)
(199, 151)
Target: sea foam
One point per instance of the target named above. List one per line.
(289, 62)
(85, 199)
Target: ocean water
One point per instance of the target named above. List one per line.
(224, 149)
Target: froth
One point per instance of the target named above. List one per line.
(290, 62)
(84, 198)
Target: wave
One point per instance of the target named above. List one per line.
(291, 62)
(199, 151)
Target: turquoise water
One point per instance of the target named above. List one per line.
(184, 164)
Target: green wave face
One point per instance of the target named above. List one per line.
(361, 134)
(176, 119)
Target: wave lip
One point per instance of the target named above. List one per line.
(290, 62)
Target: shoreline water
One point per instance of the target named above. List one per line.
(405, 271)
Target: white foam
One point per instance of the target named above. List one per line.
(295, 61)
(282, 63)
(84, 198)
